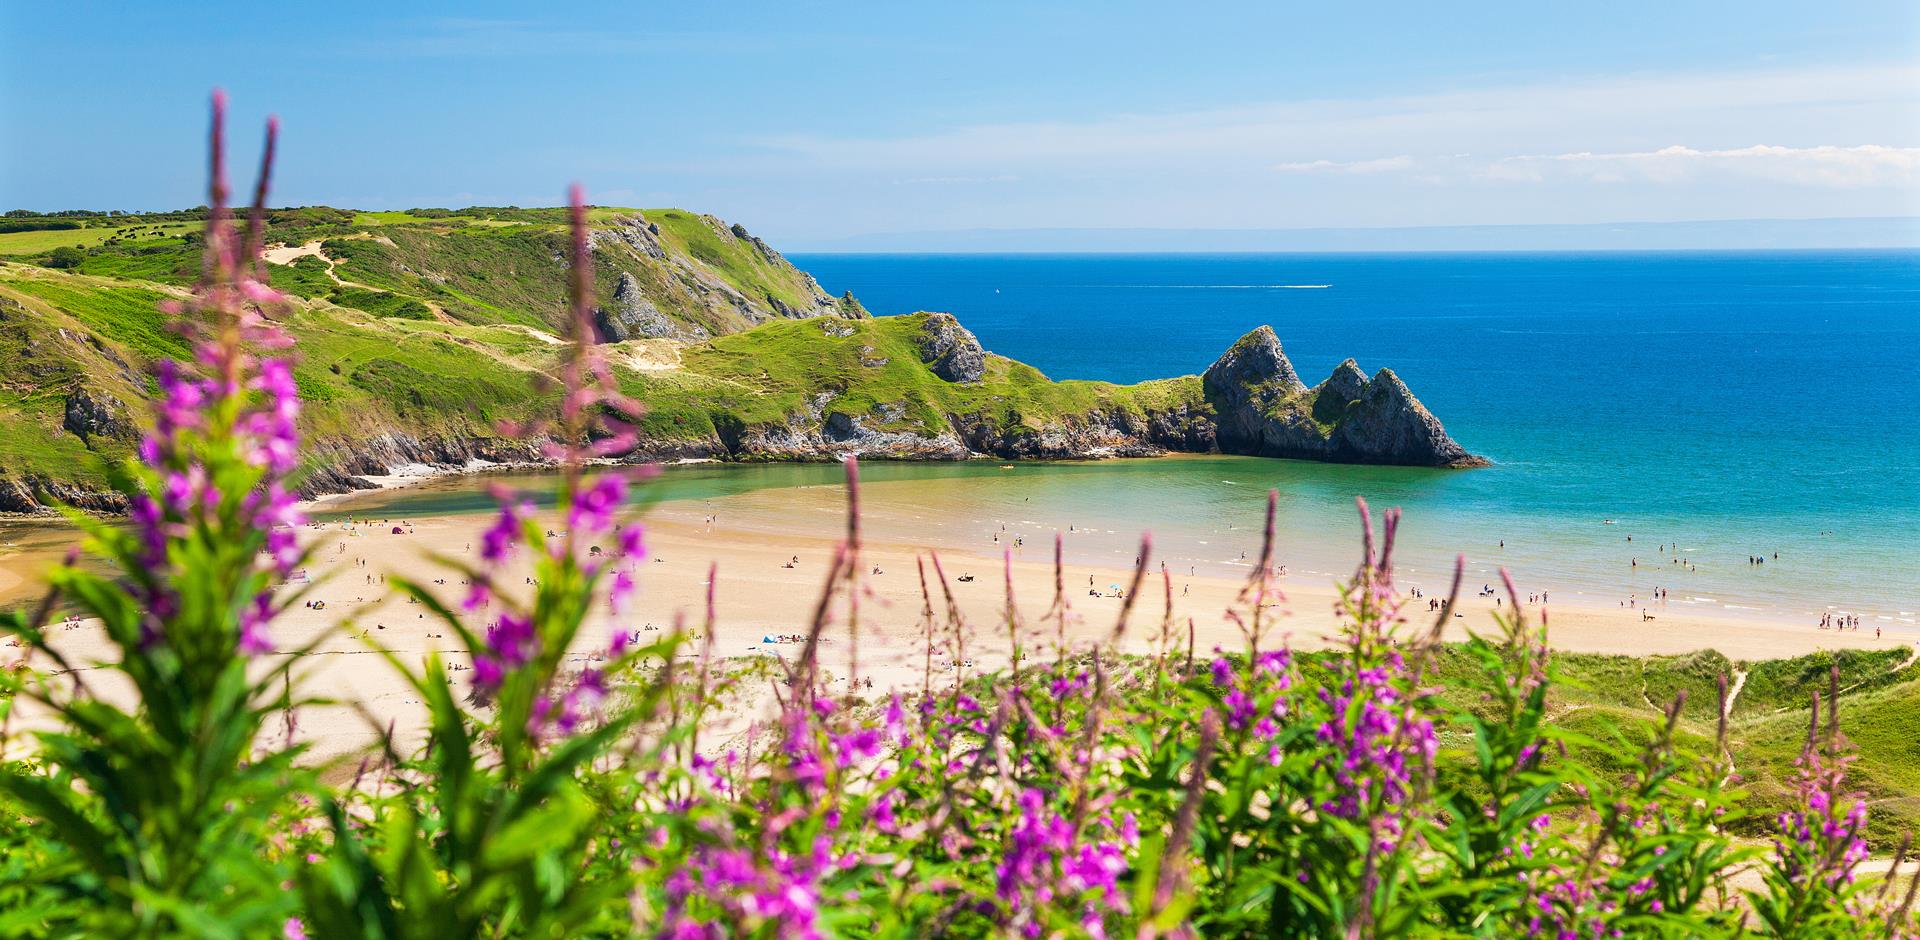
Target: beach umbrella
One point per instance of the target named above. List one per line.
(396, 531)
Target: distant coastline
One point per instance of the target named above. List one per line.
(1881, 232)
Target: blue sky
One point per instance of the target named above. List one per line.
(810, 122)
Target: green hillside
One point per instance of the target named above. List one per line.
(429, 327)
(480, 265)
(1616, 702)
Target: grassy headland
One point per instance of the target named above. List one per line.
(435, 325)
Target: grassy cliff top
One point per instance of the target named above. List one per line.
(477, 265)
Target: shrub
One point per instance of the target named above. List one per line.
(38, 225)
(65, 256)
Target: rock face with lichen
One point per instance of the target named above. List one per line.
(1261, 408)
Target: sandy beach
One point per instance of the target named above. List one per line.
(767, 584)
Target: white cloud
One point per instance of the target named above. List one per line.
(1866, 165)
(1839, 141)
(1802, 108)
(1381, 165)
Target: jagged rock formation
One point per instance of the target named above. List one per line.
(1261, 408)
(633, 316)
(951, 350)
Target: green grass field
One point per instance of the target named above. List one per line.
(22, 244)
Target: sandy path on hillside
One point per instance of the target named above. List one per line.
(288, 254)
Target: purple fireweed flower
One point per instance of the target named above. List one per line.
(633, 541)
(1045, 862)
(1256, 699)
(581, 701)
(1820, 836)
(774, 888)
(479, 594)
(599, 498)
(620, 591)
(510, 643)
(232, 407)
(498, 541)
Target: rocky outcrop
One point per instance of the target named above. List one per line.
(88, 416)
(634, 232)
(1261, 408)
(340, 466)
(1386, 424)
(664, 292)
(1250, 402)
(1097, 434)
(1254, 390)
(39, 494)
(1343, 387)
(633, 316)
(951, 350)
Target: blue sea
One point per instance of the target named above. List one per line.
(1711, 405)
(1655, 421)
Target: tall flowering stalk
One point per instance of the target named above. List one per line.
(162, 807)
(502, 837)
(1818, 845)
(802, 815)
(1377, 732)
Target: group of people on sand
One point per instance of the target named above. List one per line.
(1828, 621)
(1633, 600)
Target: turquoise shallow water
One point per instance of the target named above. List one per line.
(1738, 403)
(1205, 512)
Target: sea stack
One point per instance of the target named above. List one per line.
(1262, 409)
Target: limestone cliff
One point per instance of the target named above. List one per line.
(1261, 408)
